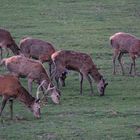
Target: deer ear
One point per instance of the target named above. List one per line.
(106, 84)
(37, 100)
(65, 72)
(101, 77)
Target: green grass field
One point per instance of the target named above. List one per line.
(81, 25)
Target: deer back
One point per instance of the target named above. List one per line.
(37, 48)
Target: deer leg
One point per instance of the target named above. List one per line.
(30, 85)
(130, 72)
(55, 75)
(7, 50)
(133, 64)
(1, 52)
(11, 108)
(62, 80)
(90, 82)
(52, 76)
(4, 100)
(81, 83)
(134, 67)
(57, 81)
(114, 60)
(50, 68)
(119, 59)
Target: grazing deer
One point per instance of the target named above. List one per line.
(10, 88)
(34, 71)
(125, 43)
(37, 49)
(7, 42)
(80, 62)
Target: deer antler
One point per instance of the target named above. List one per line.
(38, 89)
(46, 90)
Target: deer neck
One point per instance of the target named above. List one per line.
(25, 97)
(15, 49)
(95, 74)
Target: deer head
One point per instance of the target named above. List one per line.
(35, 108)
(63, 77)
(51, 92)
(54, 93)
(101, 86)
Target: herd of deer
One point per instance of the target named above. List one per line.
(21, 65)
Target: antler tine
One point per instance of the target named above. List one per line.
(38, 89)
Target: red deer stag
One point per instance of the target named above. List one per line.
(80, 62)
(7, 42)
(34, 71)
(125, 43)
(10, 88)
(37, 49)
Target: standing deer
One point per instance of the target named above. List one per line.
(10, 88)
(37, 49)
(7, 42)
(125, 43)
(34, 71)
(80, 62)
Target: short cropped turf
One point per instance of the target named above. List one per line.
(80, 25)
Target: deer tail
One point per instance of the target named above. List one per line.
(112, 43)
